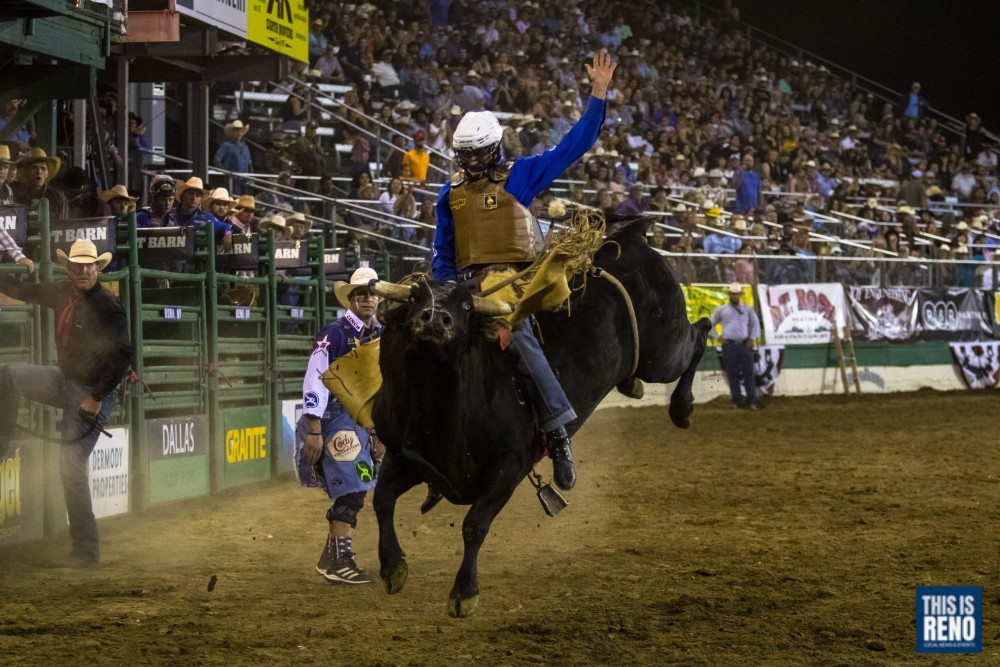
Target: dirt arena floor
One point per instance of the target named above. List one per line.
(795, 535)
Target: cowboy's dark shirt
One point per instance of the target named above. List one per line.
(98, 352)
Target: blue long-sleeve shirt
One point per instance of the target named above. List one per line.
(199, 218)
(528, 177)
(717, 244)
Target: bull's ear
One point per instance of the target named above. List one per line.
(491, 307)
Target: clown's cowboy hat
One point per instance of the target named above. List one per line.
(359, 279)
(83, 251)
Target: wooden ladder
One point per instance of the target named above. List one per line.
(845, 343)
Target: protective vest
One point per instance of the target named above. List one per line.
(491, 226)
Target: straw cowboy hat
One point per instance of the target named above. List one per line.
(117, 192)
(5, 155)
(194, 182)
(218, 194)
(360, 278)
(39, 155)
(83, 251)
(236, 126)
(735, 288)
(739, 223)
(300, 217)
(277, 221)
(246, 203)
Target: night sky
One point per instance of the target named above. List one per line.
(952, 48)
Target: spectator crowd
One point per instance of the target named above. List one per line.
(738, 149)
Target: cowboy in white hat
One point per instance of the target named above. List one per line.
(241, 215)
(278, 223)
(740, 328)
(94, 353)
(218, 203)
(35, 172)
(234, 154)
(718, 243)
(188, 212)
(119, 200)
(298, 226)
(325, 420)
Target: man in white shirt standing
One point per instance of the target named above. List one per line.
(740, 328)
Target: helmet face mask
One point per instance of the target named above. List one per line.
(477, 161)
(477, 142)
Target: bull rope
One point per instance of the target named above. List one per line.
(601, 273)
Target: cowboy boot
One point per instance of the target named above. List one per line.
(557, 443)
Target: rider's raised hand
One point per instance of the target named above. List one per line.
(600, 74)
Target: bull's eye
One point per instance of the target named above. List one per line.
(468, 307)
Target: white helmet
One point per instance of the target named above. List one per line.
(477, 129)
(477, 133)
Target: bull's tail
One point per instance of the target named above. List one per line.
(681, 401)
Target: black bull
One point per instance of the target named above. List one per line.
(451, 411)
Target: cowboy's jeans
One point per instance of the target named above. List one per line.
(557, 409)
(737, 361)
(44, 384)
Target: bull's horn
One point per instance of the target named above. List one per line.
(491, 306)
(391, 291)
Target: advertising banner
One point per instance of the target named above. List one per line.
(244, 255)
(227, 15)
(802, 314)
(164, 244)
(108, 474)
(978, 363)
(247, 446)
(953, 314)
(280, 25)
(883, 313)
(290, 254)
(22, 502)
(702, 300)
(178, 458)
(99, 230)
(334, 265)
(14, 221)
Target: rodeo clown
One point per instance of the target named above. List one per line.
(332, 451)
(484, 219)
